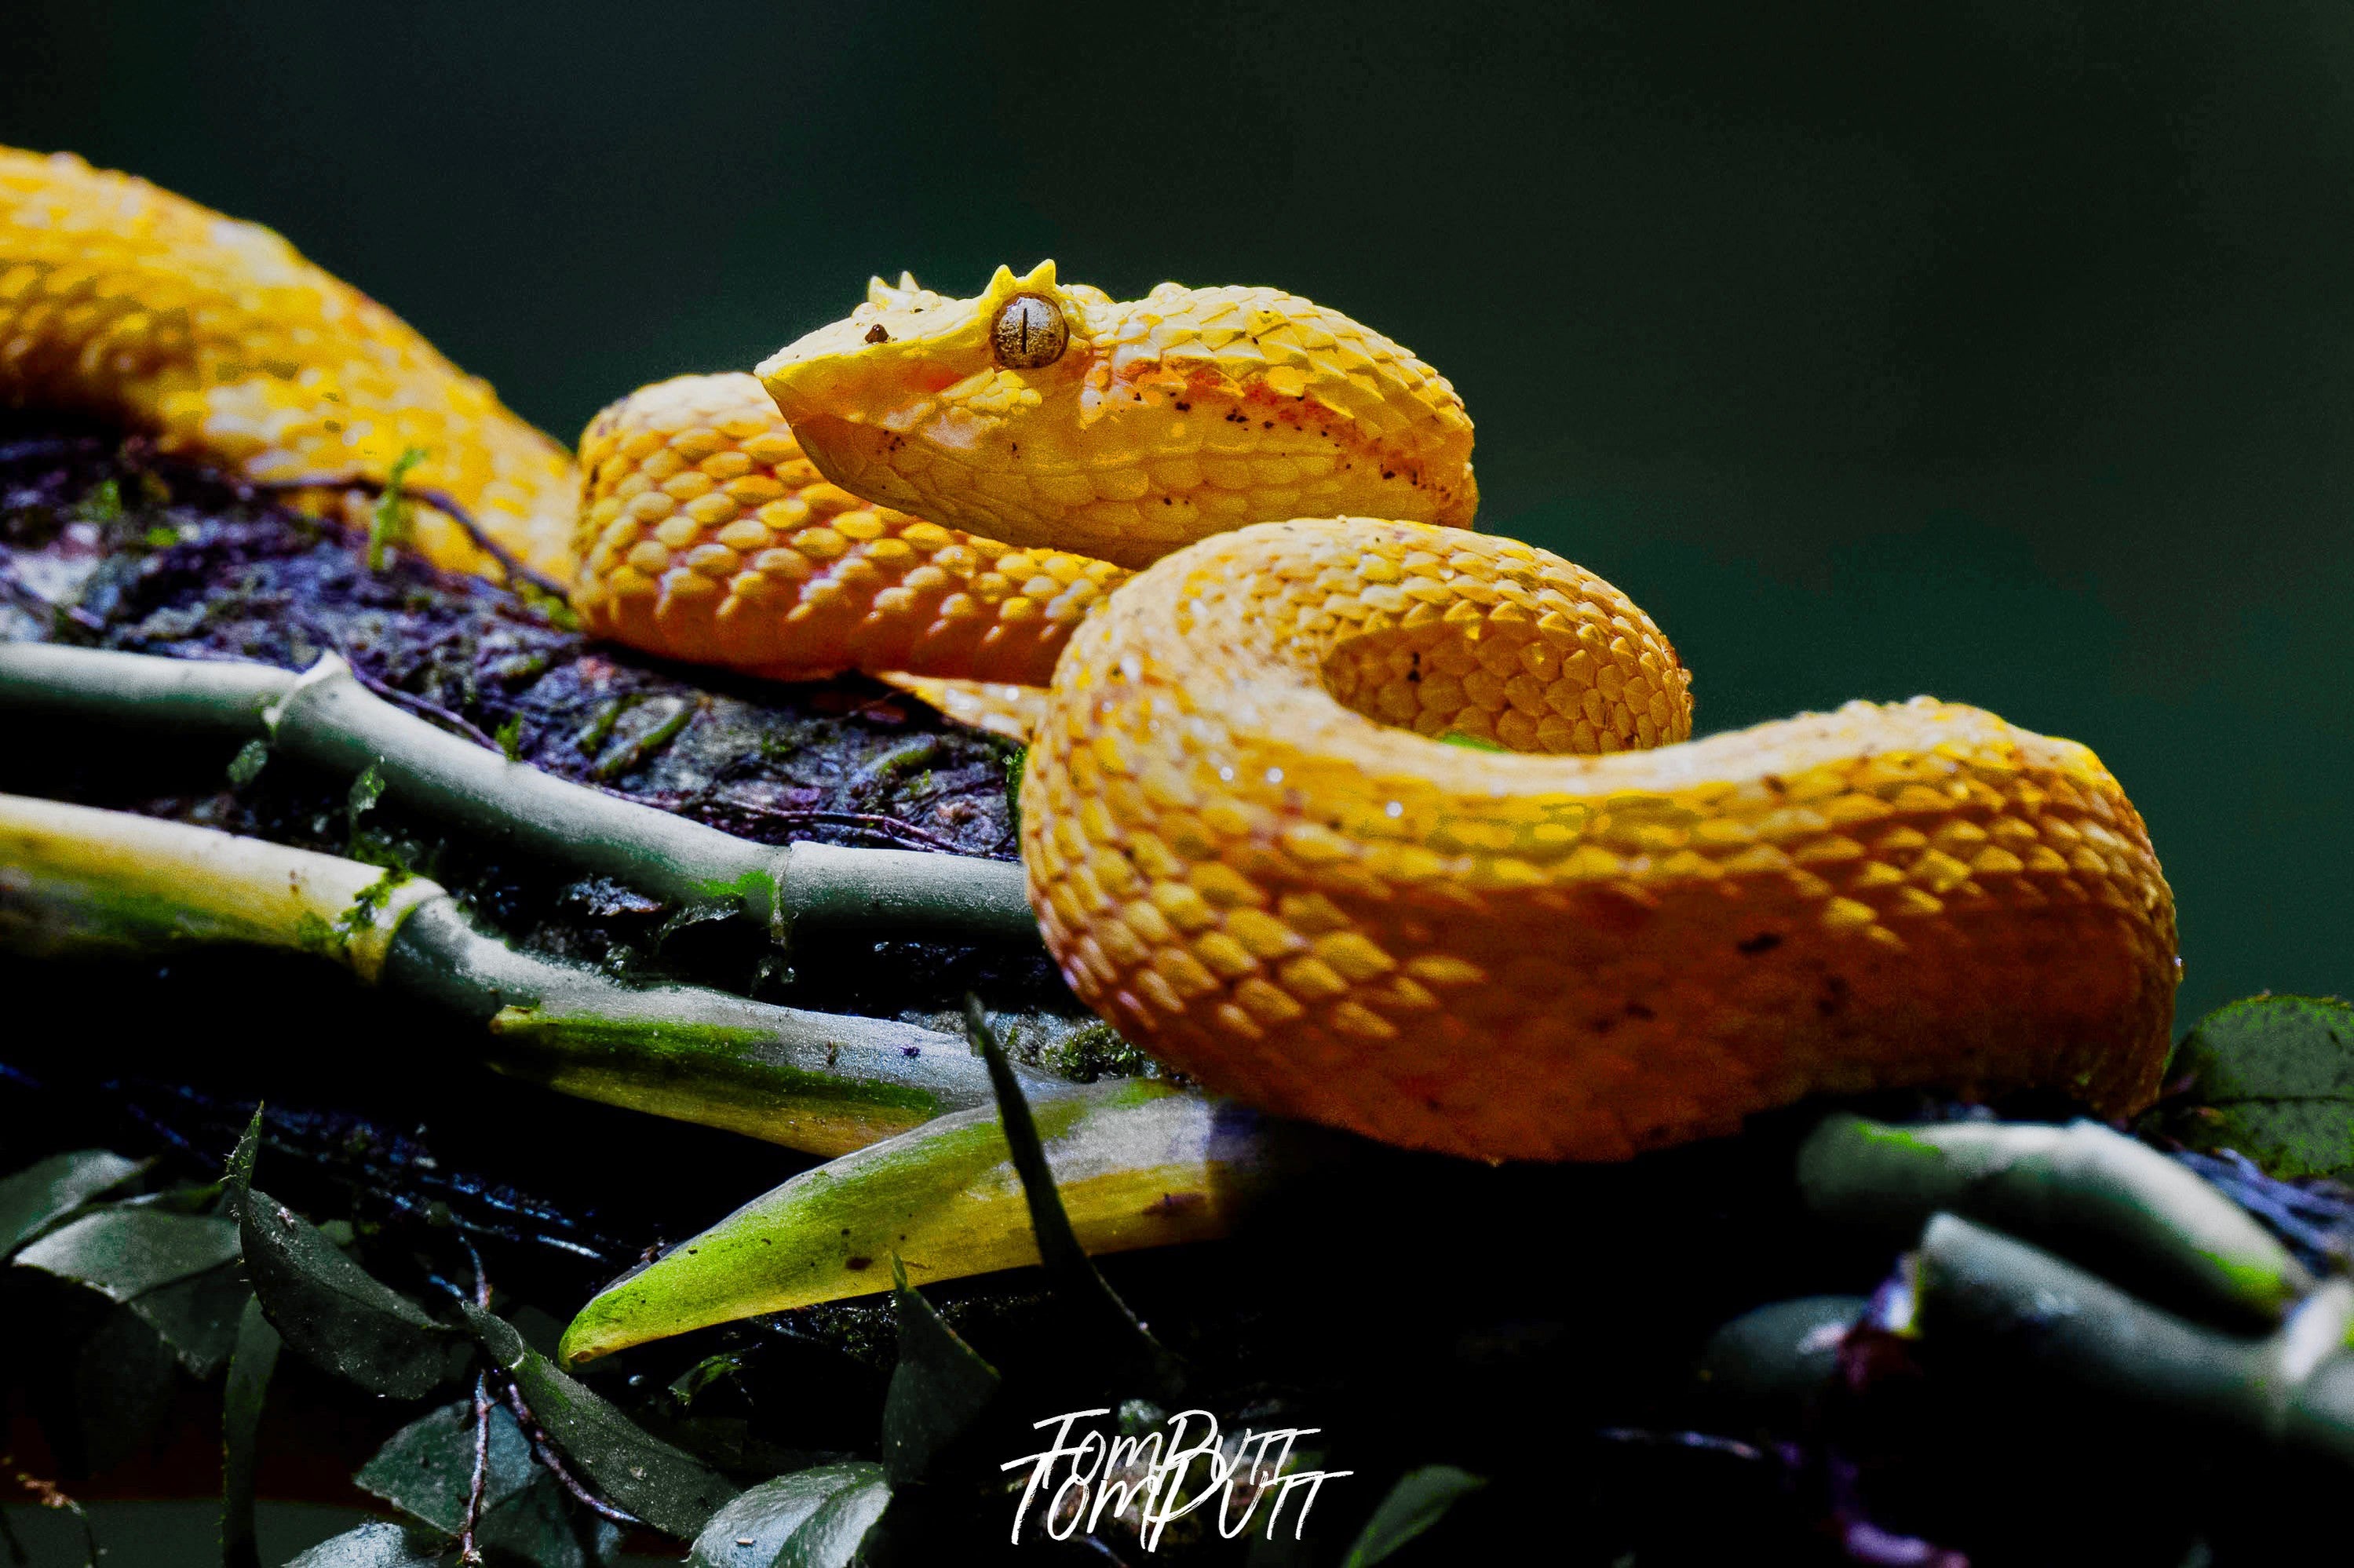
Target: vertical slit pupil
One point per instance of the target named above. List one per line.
(1028, 333)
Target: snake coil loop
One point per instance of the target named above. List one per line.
(1243, 843)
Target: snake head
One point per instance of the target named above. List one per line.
(913, 363)
(1045, 414)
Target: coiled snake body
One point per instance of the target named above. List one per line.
(1245, 844)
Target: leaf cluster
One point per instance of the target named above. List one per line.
(535, 1468)
(2273, 1077)
(224, 1277)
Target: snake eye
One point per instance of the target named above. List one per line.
(1029, 333)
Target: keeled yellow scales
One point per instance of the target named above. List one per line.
(127, 301)
(1245, 844)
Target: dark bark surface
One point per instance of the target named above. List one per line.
(103, 543)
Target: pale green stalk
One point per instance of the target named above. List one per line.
(2294, 1386)
(327, 718)
(2098, 1196)
(76, 878)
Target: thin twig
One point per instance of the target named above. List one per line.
(893, 828)
(441, 501)
(468, 1552)
(548, 1457)
(24, 591)
(443, 1286)
(48, 446)
(1705, 1442)
(2320, 1222)
(481, 1280)
(427, 709)
(1872, 1544)
(49, 1495)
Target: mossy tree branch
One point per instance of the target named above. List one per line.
(2295, 1387)
(326, 717)
(72, 878)
(2093, 1192)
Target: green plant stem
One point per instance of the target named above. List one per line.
(198, 694)
(249, 1368)
(825, 1083)
(327, 718)
(2295, 1387)
(1768, 1364)
(2095, 1194)
(72, 878)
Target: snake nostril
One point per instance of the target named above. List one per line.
(875, 334)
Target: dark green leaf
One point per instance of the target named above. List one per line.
(811, 1519)
(176, 1269)
(333, 1313)
(427, 1471)
(91, 1551)
(205, 1200)
(427, 1468)
(1414, 1505)
(667, 1488)
(41, 1195)
(1016, 763)
(237, 1177)
(374, 1545)
(2273, 1077)
(541, 1525)
(389, 523)
(123, 1388)
(728, 1444)
(830, 1537)
(246, 765)
(365, 791)
(690, 1384)
(1074, 1273)
(128, 1252)
(101, 503)
(250, 1367)
(197, 1317)
(938, 1386)
(540, 1331)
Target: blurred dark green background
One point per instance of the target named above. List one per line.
(2004, 351)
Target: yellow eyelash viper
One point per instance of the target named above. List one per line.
(1243, 843)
